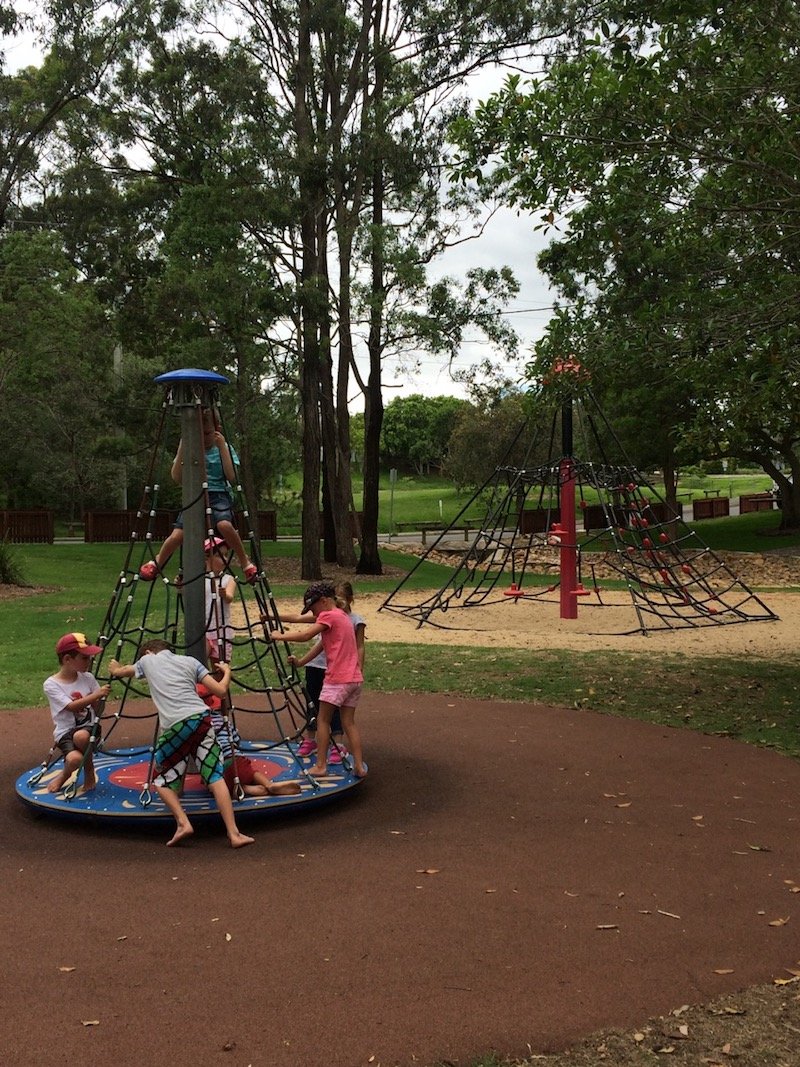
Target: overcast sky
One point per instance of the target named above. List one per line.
(508, 241)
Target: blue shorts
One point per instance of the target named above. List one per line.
(221, 506)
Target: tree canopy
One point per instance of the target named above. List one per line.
(417, 431)
(258, 189)
(659, 147)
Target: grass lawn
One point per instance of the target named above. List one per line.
(755, 700)
(434, 499)
(756, 532)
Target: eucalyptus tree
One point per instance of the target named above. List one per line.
(366, 86)
(181, 236)
(661, 143)
(286, 184)
(78, 43)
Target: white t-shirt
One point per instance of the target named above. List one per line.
(218, 614)
(172, 680)
(62, 693)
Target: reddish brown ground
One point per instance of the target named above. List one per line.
(509, 877)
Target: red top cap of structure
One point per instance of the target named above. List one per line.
(570, 365)
(563, 369)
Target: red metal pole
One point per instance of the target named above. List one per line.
(569, 553)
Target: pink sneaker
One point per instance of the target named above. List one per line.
(251, 573)
(148, 572)
(307, 747)
(336, 755)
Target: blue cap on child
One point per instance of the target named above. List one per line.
(316, 592)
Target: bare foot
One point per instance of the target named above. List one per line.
(54, 787)
(89, 784)
(184, 830)
(318, 772)
(360, 772)
(283, 789)
(238, 840)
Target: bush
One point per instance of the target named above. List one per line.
(10, 572)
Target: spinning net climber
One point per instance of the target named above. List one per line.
(528, 548)
(226, 610)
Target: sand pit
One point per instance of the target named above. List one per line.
(535, 624)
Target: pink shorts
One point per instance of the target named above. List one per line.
(341, 694)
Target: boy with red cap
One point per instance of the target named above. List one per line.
(75, 699)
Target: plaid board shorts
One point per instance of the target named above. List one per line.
(193, 737)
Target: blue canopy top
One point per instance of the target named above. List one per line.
(192, 374)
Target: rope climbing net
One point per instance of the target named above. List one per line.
(675, 580)
(268, 693)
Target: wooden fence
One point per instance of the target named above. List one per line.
(27, 527)
(108, 526)
(537, 520)
(713, 507)
(598, 517)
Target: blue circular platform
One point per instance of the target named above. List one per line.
(122, 775)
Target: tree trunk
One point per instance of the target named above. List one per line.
(337, 466)
(309, 183)
(789, 489)
(242, 443)
(370, 560)
(671, 482)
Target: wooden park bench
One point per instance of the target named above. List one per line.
(432, 527)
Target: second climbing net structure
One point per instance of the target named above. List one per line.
(528, 546)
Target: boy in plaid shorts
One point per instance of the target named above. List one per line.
(186, 730)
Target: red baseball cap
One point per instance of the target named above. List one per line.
(76, 643)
